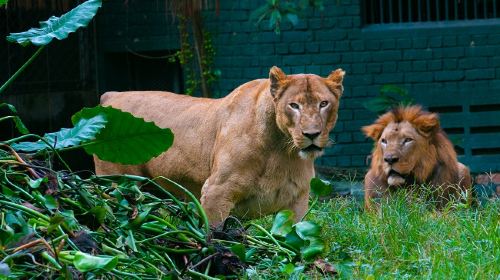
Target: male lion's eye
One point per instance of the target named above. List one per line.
(383, 141)
(323, 104)
(294, 106)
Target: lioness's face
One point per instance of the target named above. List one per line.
(306, 109)
(400, 143)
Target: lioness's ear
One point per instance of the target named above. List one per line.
(373, 131)
(334, 82)
(427, 124)
(277, 78)
(337, 76)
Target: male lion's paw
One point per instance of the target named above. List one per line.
(395, 180)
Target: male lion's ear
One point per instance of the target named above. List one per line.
(427, 124)
(277, 78)
(373, 131)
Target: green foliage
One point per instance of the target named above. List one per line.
(125, 139)
(276, 10)
(196, 70)
(111, 227)
(2, 3)
(303, 236)
(58, 27)
(16, 119)
(84, 131)
(390, 96)
(109, 133)
(320, 187)
(55, 27)
(408, 238)
(85, 262)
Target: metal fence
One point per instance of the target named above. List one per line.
(408, 11)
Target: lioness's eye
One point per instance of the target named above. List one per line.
(323, 104)
(407, 140)
(383, 141)
(294, 106)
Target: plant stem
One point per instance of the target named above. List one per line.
(18, 72)
(310, 208)
(25, 209)
(193, 198)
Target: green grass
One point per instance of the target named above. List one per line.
(406, 239)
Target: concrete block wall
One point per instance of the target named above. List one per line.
(442, 57)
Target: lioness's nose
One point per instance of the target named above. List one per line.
(390, 159)
(311, 135)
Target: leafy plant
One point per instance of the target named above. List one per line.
(277, 10)
(389, 96)
(109, 133)
(58, 27)
(55, 27)
(197, 53)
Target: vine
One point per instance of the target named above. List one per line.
(197, 53)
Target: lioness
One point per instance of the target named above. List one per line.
(250, 153)
(411, 148)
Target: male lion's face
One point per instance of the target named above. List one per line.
(400, 144)
(306, 108)
(403, 141)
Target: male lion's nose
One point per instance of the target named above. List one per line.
(311, 135)
(391, 159)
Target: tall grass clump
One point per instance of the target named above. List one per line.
(409, 238)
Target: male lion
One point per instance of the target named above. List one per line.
(250, 153)
(411, 148)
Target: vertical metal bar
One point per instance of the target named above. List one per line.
(438, 16)
(485, 9)
(494, 8)
(372, 11)
(466, 15)
(400, 11)
(428, 9)
(446, 10)
(419, 10)
(456, 9)
(390, 11)
(410, 11)
(381, 6)
(474, 3)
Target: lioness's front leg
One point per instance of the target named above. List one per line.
(300, 206)
(218, 199)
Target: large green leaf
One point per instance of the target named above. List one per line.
(85, 130)
(307, 230)
(283, 222)
(310, 233)
(320, 187)
(125, 139)
(316, 246)
(58, 27)
(85, 262)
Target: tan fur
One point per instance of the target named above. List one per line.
(241, 153)
(424, 153)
